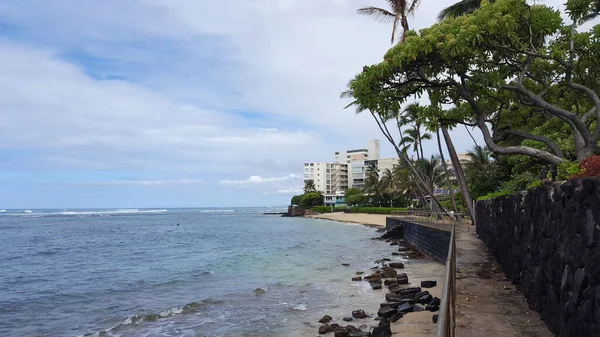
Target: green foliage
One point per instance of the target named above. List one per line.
(297, 199)
(377, 210)
(495, 195)
(357, 199)
(567, 170)
(311, 199)
(309, 186)
(352, 191)
(327, 209)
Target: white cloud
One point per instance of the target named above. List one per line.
(258, 180)
(137, 182)
(290, 191)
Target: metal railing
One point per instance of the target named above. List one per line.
(447, 317)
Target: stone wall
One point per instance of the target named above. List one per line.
(431, 241)
(547, 240)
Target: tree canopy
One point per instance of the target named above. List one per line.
(510, 69)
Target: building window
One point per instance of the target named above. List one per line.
(312, 164)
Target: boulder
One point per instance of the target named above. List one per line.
(391, 297)
(396, 317)
(435, 301)
(357, 278)
(323, 329)
(396, 265)
(432, 308)
(359, 314)
(346, 264)
(394, 243)
(395, 253)
(402, 278)
(405, 307)
(341, 332)
(373, 277)
(434, 319)
(386, 312)
(389, 272)
(352, 328)
(360, 272)
(390, 281)
(376, 286)
(348, 319)
(417, 308)
(325, 319)
(379, 332)
(428, 284)
(409, 291)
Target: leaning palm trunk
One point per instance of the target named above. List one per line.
(439, 141)
(460, 175)
(418, 180)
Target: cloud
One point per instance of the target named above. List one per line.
(136, 182)
(290, 191)
(258, 180)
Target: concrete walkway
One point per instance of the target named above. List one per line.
(486, 303)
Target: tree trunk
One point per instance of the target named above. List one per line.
(460, 175)
(421, 143)
(439, 141)
(412, 172)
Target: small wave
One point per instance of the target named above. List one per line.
(301, 307)
(27, 211)
(2, 211)
(216, 210)
(186, 309)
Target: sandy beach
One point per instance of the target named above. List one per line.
(358, 218)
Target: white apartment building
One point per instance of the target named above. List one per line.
(371, 152)
(327, 177)
(359, 169)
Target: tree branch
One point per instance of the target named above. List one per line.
(555, 149)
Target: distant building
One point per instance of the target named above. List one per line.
(349, 170)
(463, 158)
(334, 199)
(371, 152)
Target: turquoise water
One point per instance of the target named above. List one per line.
(178, 272)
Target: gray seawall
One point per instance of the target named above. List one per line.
(431, 241)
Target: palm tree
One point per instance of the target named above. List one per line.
(374, 185)
(460, 8)
(432, 171)
(400, 9)
(412, 172)
(309, 186)
(480, 159)
(446, 171)
(414, 136)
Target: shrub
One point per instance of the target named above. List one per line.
(496, 194)
(590, 167)
(297, 199)
(327, 209)
(311, 199)
(567, 170)
(377, 210)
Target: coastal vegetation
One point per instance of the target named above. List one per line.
(524, 75)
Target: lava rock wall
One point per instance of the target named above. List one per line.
(547, 241)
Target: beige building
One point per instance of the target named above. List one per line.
(371, 152)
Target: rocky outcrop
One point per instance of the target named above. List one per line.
(547, 241)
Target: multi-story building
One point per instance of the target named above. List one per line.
(462, 158)
(360, 169)
(327, 177)
(371, 152)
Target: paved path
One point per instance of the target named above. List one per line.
(487, 304)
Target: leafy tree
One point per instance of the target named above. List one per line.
(400, 9)
(311, 199)
(297, 199)
(352, 191)
(483, 174)
(309, 186)
(357, 199)
(508, 65)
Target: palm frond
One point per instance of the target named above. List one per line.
(460, 8)
(413, 6)
(377, 13)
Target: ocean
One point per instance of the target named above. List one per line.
(179, 272)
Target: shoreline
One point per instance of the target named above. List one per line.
(369, 220)
(416, 323)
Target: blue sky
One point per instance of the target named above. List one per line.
(164, 103)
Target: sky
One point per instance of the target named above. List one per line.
(181, 103)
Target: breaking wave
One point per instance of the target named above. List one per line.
(137, 319)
